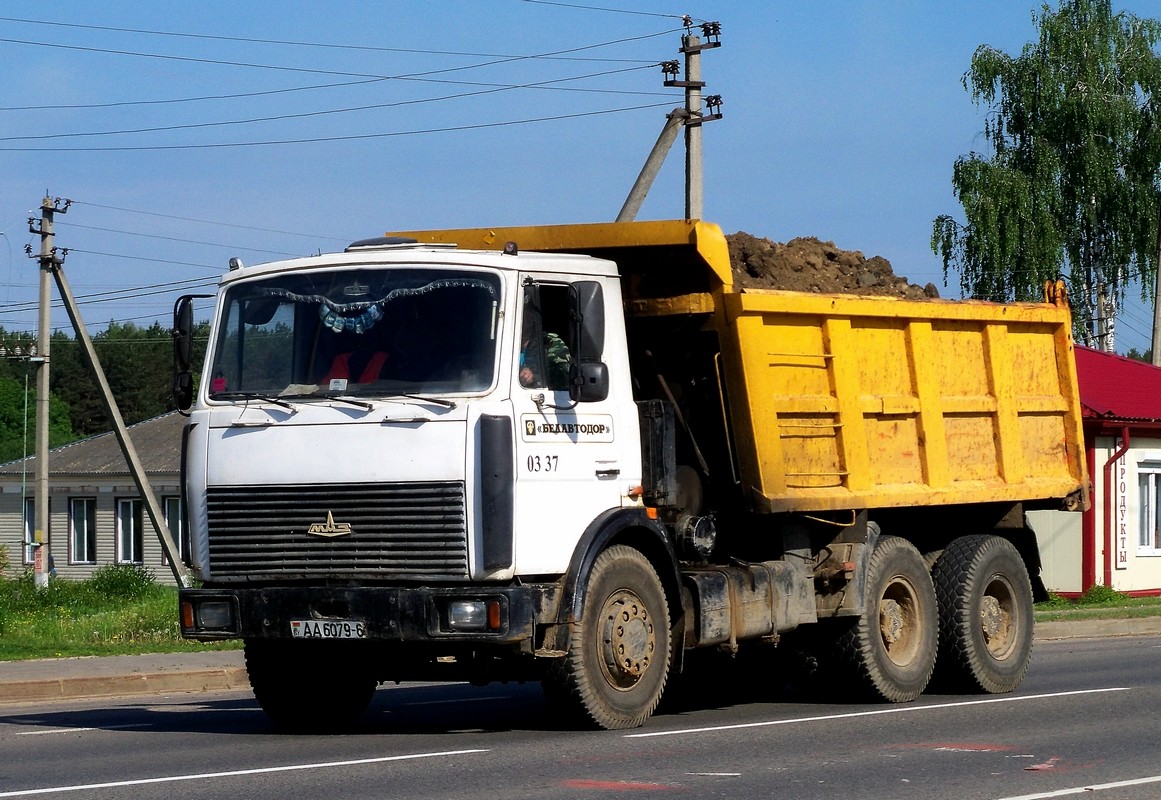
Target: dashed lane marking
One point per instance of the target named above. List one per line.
(201, 776)
(912, 709)
(1092, 787)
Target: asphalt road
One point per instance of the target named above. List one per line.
(1085, 722)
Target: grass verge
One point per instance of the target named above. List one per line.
(121, 610)
(1099, 602)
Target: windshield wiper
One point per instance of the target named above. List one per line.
(316, 395)
(247, 396)
(343, 399)
(439, 401)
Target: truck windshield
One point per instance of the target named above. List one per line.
(367, 332)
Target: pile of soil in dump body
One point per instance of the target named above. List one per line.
(806, 264)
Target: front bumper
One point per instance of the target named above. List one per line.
(388, 613)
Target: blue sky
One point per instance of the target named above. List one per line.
(842, 120)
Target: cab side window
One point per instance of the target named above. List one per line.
(545, 337)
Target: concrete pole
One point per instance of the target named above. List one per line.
(673, 122)
(693, 174)
(136, 468)
(40, 562)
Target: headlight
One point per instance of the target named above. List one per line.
(215, 614)
(467, 615)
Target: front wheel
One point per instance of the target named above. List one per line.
(985, 615)
(890, 650)
(618, 656)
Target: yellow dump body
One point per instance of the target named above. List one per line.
(853, 402)
(843, 402)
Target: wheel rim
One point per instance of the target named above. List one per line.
(997, 617)
(628, 640)
(898, 616)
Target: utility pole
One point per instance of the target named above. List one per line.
(52, 266)
(691, 117)
(42, 553)
(1157, 294)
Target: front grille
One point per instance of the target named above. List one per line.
(409, 530)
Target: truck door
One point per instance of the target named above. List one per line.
(569, 459)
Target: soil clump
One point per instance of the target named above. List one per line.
(807, 264)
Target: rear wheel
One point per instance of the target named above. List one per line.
(985, 615)
(307, 686)
(618, 657)
(890, 650)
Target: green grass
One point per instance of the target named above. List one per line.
(120, 611)
(1099, 602)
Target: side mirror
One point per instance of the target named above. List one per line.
(588, 313)
(182, 333)
(588, 382)
(588, 377)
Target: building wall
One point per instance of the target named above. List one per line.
(1136, 513)
(1059, 535)
(1131, 506)
(106, 494)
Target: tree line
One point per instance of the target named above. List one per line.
(138, 364)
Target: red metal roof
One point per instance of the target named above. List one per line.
(1116, 388)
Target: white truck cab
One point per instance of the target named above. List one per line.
(404, 443)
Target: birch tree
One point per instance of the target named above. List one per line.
(1070, 185)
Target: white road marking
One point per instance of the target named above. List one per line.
(1092, 787)
(716, 774)
(911, 709)
(233, 773)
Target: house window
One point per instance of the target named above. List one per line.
(175, 521)
(1149, 502)
(83, 528)
(29, 528)
(130, 542)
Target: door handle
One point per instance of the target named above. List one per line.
(608, 473)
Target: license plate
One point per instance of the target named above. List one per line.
(328, 629)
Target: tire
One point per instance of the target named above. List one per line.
(307, 687)
(890, 651)
(985, 615)
(617, 662)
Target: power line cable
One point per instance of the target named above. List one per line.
(493, 89)
(417, 76)
(116, 294)
(205, 221)
(61, 224)
(150, 259)
(328, 139)
(602, 8)
(556, 55)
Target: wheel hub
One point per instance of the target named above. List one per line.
(890, 621)
(997, 620)
(990, 616)
(628, 639)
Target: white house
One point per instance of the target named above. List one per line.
(96, 515)
(1117, 542)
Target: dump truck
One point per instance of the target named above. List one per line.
(575, 454)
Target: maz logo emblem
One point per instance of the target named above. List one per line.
(330, 528)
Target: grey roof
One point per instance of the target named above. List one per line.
(157, 440)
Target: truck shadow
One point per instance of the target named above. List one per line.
(709, 682)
